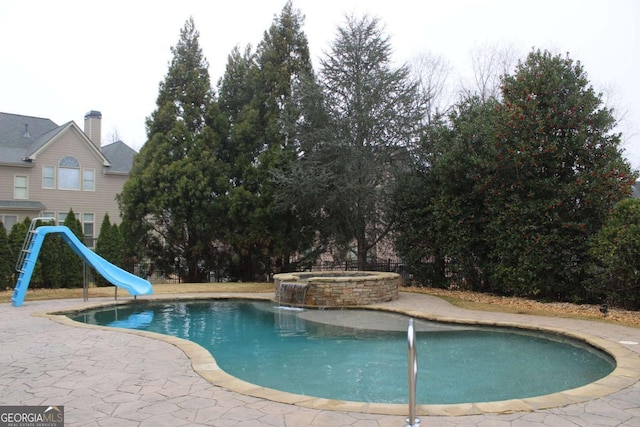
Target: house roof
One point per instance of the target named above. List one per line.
(23, 137)
(120, 155)
(27, 205)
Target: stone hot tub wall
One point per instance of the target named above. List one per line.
(342, 288)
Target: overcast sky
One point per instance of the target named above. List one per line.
(60, 59)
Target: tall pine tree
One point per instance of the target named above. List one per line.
(259, 96)
(169, 204)
(110, 245)
(372, 116)
(72, 273)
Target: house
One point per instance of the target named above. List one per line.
(47, 169)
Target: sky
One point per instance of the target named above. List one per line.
(61, 59)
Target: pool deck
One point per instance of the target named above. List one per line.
(114, 378)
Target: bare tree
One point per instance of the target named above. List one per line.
(114, 135)
(629, 129)
(431, 72)
(490, 63)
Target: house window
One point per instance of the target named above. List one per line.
(49, 215)
(61, 218)
(49, 177)
(88, 180)
(69, 174)
(88, 229)
(9, 221)
(20, 187)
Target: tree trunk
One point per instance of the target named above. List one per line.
(193, 273)
(247, 273)
(362, 252)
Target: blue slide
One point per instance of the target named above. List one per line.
(123, 279)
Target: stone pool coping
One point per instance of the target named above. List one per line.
(337, 289)
(626, 373)
(336, 276)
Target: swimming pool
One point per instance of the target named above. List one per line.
(361, 355)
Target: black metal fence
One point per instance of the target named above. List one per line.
(147, 271)
(388, 265)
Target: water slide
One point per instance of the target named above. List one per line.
(123, 279)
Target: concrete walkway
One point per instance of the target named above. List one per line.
(113, 378)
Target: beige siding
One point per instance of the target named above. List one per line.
(7, 174)
(6, 180)
(97, 202)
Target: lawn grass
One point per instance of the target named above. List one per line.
(108, 291)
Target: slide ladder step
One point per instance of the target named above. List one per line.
(25, 265)
(28, 240)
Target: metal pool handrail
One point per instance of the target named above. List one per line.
(412, 420)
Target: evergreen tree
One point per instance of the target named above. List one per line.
(72, 265)
(7, 262)
(169, 204)
(616, 254)
(285, 68)
(510, 193)
(373, 117)
(50, 262)
(440, 205)
(259, 96)
(17, 241)
(119, 254)
(558, 172)
(110, 246)
(60, 266)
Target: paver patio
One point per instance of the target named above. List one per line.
(114, 378)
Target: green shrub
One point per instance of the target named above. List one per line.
(616, 257)
(6, 260)
(110, 246)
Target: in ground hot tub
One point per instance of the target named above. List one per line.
(335, 288)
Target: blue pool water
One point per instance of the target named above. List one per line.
(309, 352)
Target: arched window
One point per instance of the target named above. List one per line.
(69, 174)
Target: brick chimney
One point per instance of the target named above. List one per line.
(92, 127)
